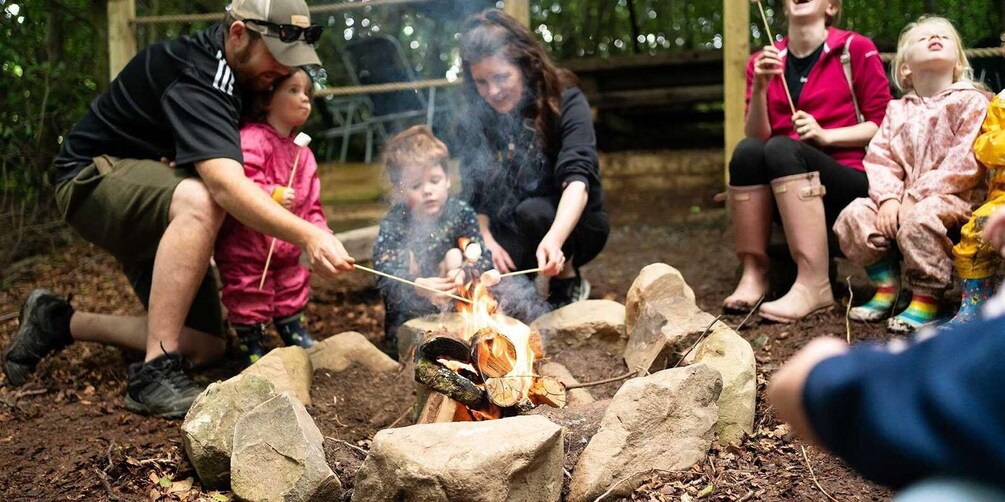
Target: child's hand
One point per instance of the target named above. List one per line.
(808, 129)
(452, 260)
(457, 277)
(437, 283)
(766, 66)
(886, 218)
(289, 195)
(994, 231)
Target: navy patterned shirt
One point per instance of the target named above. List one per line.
(411, 249)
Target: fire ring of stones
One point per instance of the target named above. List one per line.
(492, 424)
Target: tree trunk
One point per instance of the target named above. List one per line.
(633, 20)
(448, 383)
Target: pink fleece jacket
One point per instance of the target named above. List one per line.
(241, 252)
(826, 95)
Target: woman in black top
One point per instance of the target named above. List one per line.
(529, 157)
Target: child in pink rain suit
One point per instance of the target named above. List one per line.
(269, 153)
(923, 177)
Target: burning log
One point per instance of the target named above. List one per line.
(443, 344)
(548, 390)
(493, 353)
(504, 392)
(438, 408)
(447, 382)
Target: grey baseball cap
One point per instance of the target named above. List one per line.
(278, 12)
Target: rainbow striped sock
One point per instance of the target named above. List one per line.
(883, 275)
(922, 310)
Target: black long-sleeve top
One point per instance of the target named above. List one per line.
(502, 163)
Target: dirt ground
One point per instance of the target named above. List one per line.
(66, 435)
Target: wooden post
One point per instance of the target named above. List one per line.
(735, 52)
(121, 37)
(520, 9)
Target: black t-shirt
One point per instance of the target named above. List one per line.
(176, 99)
(502, 164)
(797, 71)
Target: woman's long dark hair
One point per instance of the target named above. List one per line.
(494, 33)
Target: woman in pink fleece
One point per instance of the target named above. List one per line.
(269, 153)
(923, 176)
(808, 161)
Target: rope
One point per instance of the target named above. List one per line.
(316, 9)
(389, 87)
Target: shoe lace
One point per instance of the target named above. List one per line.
(173, 373)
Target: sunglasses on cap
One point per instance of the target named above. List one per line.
(290, 33)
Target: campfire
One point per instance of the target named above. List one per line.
(487, 370)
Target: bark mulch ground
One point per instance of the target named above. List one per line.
(66, 435)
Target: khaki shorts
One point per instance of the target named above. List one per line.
(123, 206)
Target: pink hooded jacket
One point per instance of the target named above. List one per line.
(826, 95)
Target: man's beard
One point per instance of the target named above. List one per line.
(245, 77)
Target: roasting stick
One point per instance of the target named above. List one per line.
(302, 140)
(406, 281)
(521, 272)
(771, 40)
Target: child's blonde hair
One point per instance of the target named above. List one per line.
(416, 146)
(903, 83)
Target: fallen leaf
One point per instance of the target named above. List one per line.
(181, 486)
(165, 482)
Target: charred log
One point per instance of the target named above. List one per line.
(448, 383)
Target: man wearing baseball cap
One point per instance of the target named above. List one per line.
(180, 100)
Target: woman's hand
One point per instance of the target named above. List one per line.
(766, 66)
(500, 258)
(887, 218)
(808, 129)
(437, 283)
(550, 257)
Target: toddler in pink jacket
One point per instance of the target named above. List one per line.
(923, 177)
(269, 154)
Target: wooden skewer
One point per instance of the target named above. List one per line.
(771, 40)
(302, 140)
(406, 281)
(520, 272)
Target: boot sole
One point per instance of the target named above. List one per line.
(142, 409)
(786, 320)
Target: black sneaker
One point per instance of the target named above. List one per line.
(160, 387)
(562, 292)
(44, 329)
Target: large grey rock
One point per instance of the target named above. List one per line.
(663, 421)
(279, 455)
(208, 429)
(338, 352)
(517, 458)
(289, 369)
(662, 319)
(599, 322)
(728, 353)
(575, 397)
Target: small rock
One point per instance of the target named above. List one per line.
(338, 352)
(600, 322)
(279, 455)
(208, 430)
(663, 421)
(518, 458)
(289, 369)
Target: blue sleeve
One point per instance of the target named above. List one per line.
(937, 408)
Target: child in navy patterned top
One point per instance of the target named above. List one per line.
(420, 236)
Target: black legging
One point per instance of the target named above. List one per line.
(757, 162)
(533, 218)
